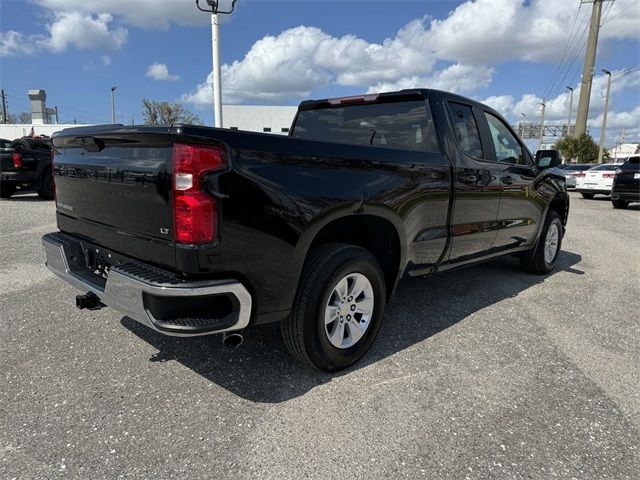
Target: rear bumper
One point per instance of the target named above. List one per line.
(17, 177)
(152, 297)
(631, 196)
(600, 191)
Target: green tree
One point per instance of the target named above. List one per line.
(581, 148)
(165, 113)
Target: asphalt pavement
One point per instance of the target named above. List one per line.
(486, 372)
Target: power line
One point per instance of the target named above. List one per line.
(565, 49)
(622, 11)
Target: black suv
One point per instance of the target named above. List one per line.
(626, 183)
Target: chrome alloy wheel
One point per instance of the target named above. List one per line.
(551, 243)
(349, 310)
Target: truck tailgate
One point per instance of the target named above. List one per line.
(113, 188)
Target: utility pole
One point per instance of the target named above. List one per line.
(542, 125)
(589, 62)
(214, 10)
(4, 107)
(570, 108)
(604, 116)
(113, 104)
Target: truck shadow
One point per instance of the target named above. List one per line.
(261, 370)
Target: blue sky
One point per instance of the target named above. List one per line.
(505, 52)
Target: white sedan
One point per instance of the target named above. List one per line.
(597, 180)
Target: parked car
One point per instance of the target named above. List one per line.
(572, 171)
(4, 143)
(26, 163)
(597, 180)
(193, 230)
(626, 183)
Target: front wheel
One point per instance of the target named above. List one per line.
(544, 257)
(588, 196)
(619, 203)
(338, 308)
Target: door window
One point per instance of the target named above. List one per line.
(508, 149)
(466, 129)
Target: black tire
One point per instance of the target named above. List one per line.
(619, 203)
(7, 189)
(303, 330)
(45, 187)
(534, 261)
(588, 196)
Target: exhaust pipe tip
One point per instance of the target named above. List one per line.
(232, 340)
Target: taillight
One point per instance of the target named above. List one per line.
(17, 160)
(580, 174)
(608, 175)
(194, 210)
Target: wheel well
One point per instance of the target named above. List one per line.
(561, 207)
(376, 234)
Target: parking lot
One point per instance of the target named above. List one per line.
(483, 372)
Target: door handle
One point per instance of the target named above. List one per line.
(507, 180)
(468, 178)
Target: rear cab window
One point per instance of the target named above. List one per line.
(406, 125)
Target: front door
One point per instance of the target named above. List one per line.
(476, 186)
(520, 209)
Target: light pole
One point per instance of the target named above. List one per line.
(604, 117)
(570, 108)
(113, 104)
(522, 125)
(542, 124)
(215, 48)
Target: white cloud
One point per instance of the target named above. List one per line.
(138, 13)
(298, 61)
(14, 43)
(106, 60)
(159, 71)
(85, 32)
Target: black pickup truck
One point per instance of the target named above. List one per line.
(194, 230)
(26, 163)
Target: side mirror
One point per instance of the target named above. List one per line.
(547, 159)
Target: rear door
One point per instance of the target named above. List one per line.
(476, 180)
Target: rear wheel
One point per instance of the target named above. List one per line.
(45, 189)
(544, 257)
(619, 203)
(338, 307)
(7, 189)
(588, 196)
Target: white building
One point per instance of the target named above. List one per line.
(623, 150)
(253, 118)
